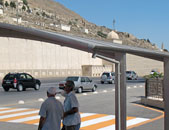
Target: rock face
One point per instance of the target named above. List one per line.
(52, 16)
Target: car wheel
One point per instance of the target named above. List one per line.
(110, 82)
(94, 89)
(20, 88)
(37, 86)
(79, 90)
(102, 82)
(113, 81)
(6, 89)
(24, 89)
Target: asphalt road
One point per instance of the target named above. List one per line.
(100, 102)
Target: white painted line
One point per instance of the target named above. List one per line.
(25, 119)
(13, 110)
(136, 121)
(129, 123)
(141, 86)
(113, 89)
(98, 120)
(87, 114)
(105, 91)
(111, 127)
(84, 94)
(95, 92)
(135, 86)
(40, 99)
(81, 115)
(21, 102)
(3, 108)
(128, 87)
(19, 114)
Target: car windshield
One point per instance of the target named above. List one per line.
(72, 78)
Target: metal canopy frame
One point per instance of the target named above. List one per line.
(106, 49)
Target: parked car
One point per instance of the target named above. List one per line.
(108, 77)
(20, 81)
(81, 83)
(131, 75)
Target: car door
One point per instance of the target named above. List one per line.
(89, 84)
(83, 83)
(23, 80)
(30, 81)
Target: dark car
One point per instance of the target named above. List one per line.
(20, 81)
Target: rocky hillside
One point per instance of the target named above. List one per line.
(52, 16)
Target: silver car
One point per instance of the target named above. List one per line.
(81, 83)
(108, 77)
(131, 75)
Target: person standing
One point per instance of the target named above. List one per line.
(51, 112)
(71, 118)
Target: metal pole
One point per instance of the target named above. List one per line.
(117, 92)
(166, 91)
(121, 95)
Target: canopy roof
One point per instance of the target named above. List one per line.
(89, 45)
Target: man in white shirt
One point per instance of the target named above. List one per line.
(71, 119)
(51, 112)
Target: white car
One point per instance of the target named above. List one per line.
(81, 83)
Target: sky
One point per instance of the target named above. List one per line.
(145, 19)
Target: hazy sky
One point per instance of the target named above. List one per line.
(145, 19)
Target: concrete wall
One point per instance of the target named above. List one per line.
(41, 59)
(49, 60)
(95, 70)
(142, 66)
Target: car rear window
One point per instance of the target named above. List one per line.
(128, 72)
(10, 76)
(107, 74)
(72, 78)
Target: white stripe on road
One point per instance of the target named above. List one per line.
(135, 121)
(3, 108)
(25, 119)
(81, 115)
(129, 123)
(87, 114)
(98, 120)
(19, 114)
(13, 110)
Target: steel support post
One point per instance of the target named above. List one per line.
(166, 93)
(120, 107)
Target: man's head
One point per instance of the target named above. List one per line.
(51, 92)
(69, 86)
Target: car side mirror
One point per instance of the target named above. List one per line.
(91, 80)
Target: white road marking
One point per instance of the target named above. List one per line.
(25, 119)
(135, 121)
(98, 120)
(13, 110)
(105, 91)
(19, 114)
